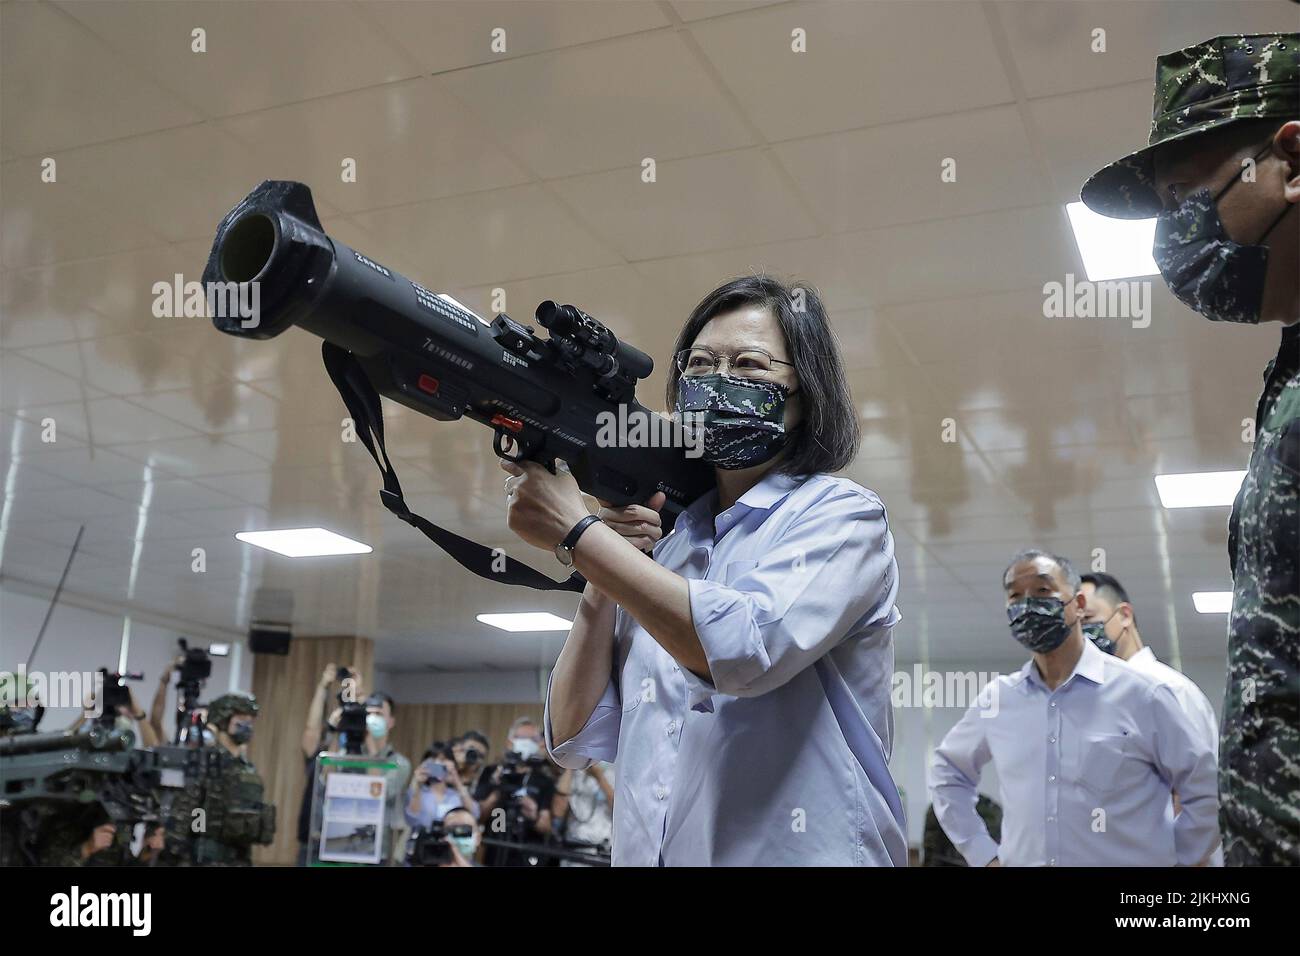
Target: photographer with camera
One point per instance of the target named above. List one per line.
(115, 706)
(470, 749)
(451, 842)
(437, 788)
(194, 666)
(355, 728)
(159, 707)
(515, 797)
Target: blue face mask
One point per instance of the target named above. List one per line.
(467, 845)
(1039, 623)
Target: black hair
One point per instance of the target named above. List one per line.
(1108, 587)
(462, 810)
(375, 699)
(1029, 554)
(828, 436)
(478, 737)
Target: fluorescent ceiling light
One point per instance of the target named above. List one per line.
(526, 621)
(1203, 489)
(1112, 248)
(1212, 602)
(303, 542)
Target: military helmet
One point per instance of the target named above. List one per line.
(227, 705)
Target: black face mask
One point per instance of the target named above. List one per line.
(242, 732)
(1095, 631)
(1039, 623)
(743, 419)
(1208, 272)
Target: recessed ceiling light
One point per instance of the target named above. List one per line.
(1212, 602)
(303, 542)
(526, 621)
(1202, 489)
(1112, 248)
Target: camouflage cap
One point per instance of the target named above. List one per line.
(1198, 89)
(227, 705)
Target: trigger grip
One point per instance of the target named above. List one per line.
(498, 435)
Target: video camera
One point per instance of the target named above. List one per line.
(429, 846)
(115, 693)
(515, 768)
(195, 668)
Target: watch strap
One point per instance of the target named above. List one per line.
(571, 539)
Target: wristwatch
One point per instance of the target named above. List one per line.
(564, 550)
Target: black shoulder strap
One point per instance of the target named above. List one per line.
(367, 414)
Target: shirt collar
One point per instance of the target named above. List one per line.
(766, 493)
(770, 490)
(1145, 654)
(1091, 665)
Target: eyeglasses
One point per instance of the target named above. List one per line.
(746, 363)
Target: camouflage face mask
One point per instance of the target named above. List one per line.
(743, 419)
(1211, 274)
(1039, 623)
(1095, 631)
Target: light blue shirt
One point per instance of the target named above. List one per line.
(783, 759)
(432, 809)
(1085, 771)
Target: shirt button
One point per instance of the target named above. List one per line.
(676, 667)
(1051, 819)
(1051, 778)
(1052, 862)
(672, 727)
(1051, 740)
(660, 792)
(1053, 703)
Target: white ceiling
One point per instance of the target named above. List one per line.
(522, 171)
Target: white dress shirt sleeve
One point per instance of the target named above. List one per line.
(954, 777)
(1187, 762)
(598, 738)
(831, 569)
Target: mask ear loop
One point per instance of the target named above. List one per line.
(1236, 179)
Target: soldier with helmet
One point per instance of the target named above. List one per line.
(220, 814)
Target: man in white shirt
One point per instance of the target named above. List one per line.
(1087, 749)
(1111, 623)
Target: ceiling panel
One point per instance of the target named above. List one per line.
(511, 177)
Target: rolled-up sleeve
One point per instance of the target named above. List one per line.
(1188, 764)
(954, 778)
(598, 738)
(832, 573)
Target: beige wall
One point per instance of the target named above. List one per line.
(284, 687)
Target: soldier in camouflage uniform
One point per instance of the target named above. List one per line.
(1221, 174)
(220, 814)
